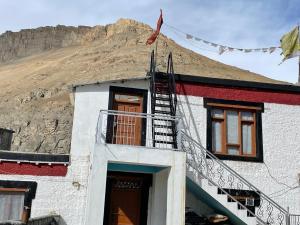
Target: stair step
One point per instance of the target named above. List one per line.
(161, 84)
(164, 142)
(162, 105)
(163, 92)
(162, 79)
(163, 134)
(163, 95)
(163, 112)
(162, 99)
(162, 126)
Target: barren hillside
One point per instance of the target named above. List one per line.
(38, 65)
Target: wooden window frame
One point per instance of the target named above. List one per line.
(25, 215)
(26, 187)
(238, 106)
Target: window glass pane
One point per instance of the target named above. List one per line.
(11, 206)
(217, 136)
(247, 116)
(129, 98)
(217, 113)
(5, 139)
(232, 150)
(247, 138)
(232, 127)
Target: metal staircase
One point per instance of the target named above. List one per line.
(213, 176)
(218, 180)
(163, 102)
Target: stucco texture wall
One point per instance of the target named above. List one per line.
(278, 175)
(64, 196)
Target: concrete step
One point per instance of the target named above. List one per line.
(223, 199)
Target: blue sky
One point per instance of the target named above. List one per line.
(237, 23)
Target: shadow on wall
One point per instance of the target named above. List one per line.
(45, 220)
(189, 122)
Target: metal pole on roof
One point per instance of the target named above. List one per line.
(299, 71)
(156, 43)
(299, 55)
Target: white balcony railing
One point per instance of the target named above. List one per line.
(294, 219)
(138, 129)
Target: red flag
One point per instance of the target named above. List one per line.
(153, 36)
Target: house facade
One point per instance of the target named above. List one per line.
(151, 150)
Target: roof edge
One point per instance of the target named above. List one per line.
(74, 86)
(32, 157)
(238, 83)
(210, 81)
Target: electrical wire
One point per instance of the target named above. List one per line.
(274, 178)
(281, 190)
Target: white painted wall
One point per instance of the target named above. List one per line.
(89, 100)
(167, 202)
(281, 147)
(281, 141)
(58, 194)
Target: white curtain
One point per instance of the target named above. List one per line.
(232, 150)
(217, 113)
(247, 138)
(247, 116)
(216, 136)
(11, 206)
(232, 127)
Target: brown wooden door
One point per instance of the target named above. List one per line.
(125, 207)
(127, 129)
(126, 198)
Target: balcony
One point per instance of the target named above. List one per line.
(138, 129)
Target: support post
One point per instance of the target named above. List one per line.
(288, 220)
(299, 70)
(179, 134)
(99, 128)
(299, 55)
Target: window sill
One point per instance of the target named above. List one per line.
(240, 158)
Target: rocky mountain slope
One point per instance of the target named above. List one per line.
(38, 65)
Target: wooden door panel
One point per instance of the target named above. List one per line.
(126, 198)
(127, 129)
(125, 207)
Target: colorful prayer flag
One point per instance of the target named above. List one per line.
(154, 35)
(290, 44)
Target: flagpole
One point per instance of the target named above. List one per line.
(299, 55)
(156, 50)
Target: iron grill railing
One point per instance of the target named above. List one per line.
(117, 127)
(294, 219)
(203, 164)
(129, 128)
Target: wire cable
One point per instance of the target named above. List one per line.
(265, 49)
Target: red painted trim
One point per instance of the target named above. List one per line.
(238, 94)
(15, 168)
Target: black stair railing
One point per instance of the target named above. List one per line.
(172, 83)
(163, 101)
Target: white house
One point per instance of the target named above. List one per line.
(154, 150)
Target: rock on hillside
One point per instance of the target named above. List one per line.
(38, 65)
